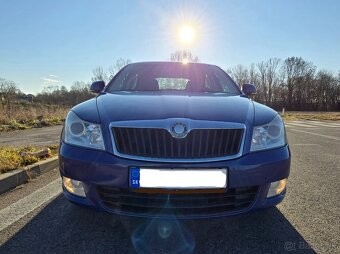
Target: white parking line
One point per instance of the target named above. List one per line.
(294, 124)
(317, 134)
(303, 145)
(312, 124)
(331, 122)
(19, 209)
(324, 124)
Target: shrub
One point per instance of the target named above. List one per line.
(11, 158)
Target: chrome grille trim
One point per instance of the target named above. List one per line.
(166, 125)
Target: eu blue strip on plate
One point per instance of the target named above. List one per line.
(134, 178)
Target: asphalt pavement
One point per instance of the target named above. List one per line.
(34, 137)
(36, 218)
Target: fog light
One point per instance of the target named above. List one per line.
(73, 186)
(276, 188)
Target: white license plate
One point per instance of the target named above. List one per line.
(178, 178)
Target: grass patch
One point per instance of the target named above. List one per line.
(28, 124)
(31, 115)
(11, 158)
(293, 116)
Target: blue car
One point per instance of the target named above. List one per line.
(171, 139)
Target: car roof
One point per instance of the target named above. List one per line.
(170, 63)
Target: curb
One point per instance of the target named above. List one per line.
(11, 180)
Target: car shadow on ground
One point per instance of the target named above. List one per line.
(62, 227)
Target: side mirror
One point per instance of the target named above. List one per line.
(97, 86)
(249, 89)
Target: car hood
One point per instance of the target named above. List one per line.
(125, 106)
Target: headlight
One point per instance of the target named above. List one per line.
(269, 136)
(81, 133)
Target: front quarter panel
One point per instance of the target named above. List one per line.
(249, 122)
(263, 114)
(88, 111)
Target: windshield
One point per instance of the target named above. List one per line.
(173, 77)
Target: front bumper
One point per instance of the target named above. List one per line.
(99, 168)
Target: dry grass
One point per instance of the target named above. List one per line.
(10, 158)
(24, 116)
(330, 116)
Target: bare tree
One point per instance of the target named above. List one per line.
(183, 55)
(118, 65)
(8, 92)
(99, 74)
(298, 76)
(240, 74)
(50, 89)
(326, 96)
(253, 75)
(80, 92)
(262, 86)
(272, 79)
(268, 78)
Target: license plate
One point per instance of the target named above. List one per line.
(178, 178)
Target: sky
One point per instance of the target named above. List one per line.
(47, 42)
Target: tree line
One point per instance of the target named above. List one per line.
(293, 84)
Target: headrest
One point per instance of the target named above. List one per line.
(148, 85)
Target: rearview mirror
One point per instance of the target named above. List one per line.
(97, 86)
(249, 89)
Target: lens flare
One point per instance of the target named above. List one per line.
(165, 230)
(163, 236)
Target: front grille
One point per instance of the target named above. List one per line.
(180, 205)
(159, 143)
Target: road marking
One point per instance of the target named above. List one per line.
(312, 124)
(303, 144)
(329, 121)
(324, 124)
(19, 209)
(294, 124)
(317, 134)
(46, 142)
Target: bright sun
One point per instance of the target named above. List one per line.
(186, 34)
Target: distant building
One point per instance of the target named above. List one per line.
(26, 97)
